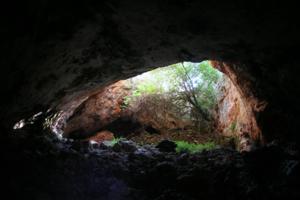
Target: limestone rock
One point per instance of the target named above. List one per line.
(101, 136)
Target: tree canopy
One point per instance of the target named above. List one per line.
(190, 89)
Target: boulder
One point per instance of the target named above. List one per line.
(166, 146)
(101, 136)
(125, 146)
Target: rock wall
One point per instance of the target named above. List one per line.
(157, 111)
(238, 109)
(235, 117)
(97, 111)
(106, 108)
(55, 49)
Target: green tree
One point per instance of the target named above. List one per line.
(196, 84)
(188, 88)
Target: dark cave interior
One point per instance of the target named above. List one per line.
(59, 59)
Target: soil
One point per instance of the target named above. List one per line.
(188, 136)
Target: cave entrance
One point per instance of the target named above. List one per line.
(192, 104)
(176, 102)
(189, 103)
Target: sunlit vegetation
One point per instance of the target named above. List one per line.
(183, 146)
(186, 90)
(116, 140)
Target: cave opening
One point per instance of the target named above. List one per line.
(177, 103)
(193, 105)
(61, 59)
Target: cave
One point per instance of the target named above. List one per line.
(57, 56)
(193, 102)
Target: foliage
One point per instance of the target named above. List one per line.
(114, 141)
(233, 127)
(197, 83)
(186, 89)
(183, 146)
(146, 88)
(126, 101)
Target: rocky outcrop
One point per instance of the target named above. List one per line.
(101, 136)
(166, 146)
(107, 110)
(156, 111)
(235, 117)
(97, 111)
(52, 50)
(55, 169)
(238, 108)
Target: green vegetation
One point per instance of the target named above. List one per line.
(126, 102)
(187, 90)
(197, 84)
(114, 141)
(233, 127)
(183, 146)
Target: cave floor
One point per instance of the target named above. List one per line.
(42, 167)
(173, 135)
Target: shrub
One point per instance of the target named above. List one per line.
(183, 146)
(114, 141)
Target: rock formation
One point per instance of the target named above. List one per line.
(53, 52)
(106, 110)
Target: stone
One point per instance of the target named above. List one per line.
(58, 53)
(101, 136)
(125, 146)
(91, 55)
(166, 146)
(98, 111)
(81, 146)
